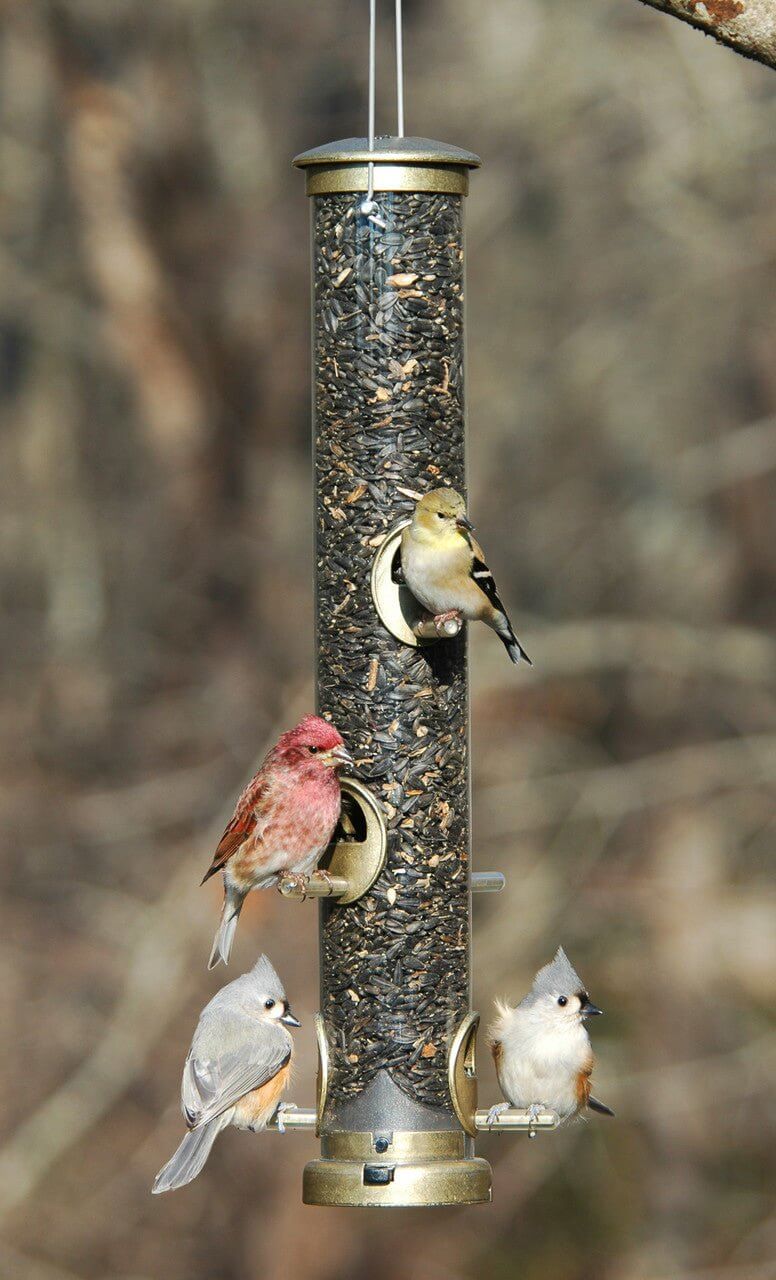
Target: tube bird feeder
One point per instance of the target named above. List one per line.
(397, 1089)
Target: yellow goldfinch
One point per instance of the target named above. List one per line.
(444, 568)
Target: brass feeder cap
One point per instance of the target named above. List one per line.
(400, 164)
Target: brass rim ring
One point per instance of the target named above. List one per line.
(360, 861)
(332, 179)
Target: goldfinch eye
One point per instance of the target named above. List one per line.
(562, 1000)
(269, 1004)
(441, 515)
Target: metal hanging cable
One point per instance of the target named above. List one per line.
(368, 205)
(399, 73)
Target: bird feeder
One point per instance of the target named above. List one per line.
(396, 1109)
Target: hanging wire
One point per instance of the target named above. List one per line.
(368, 206)
(399, 73)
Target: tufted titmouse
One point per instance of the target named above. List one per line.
(541, 1048)
(237, 1067)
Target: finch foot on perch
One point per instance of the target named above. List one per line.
(327, 879)
(495, 1112)
(288, 881)
(440, 626)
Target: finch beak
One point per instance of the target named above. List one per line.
(337, 757)
(290, 1020)
(463, 522)
(588, 1009)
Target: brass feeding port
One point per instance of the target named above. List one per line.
(353, 862)
(397, 608)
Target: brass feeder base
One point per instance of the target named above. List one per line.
(399, 1170)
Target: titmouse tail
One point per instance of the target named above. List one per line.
(191, 1155)
(503, 629)
(222, 943)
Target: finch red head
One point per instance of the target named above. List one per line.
(283, 820)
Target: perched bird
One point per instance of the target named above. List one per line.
(542, 1050)
(282, 822)
(237, 1067)
(444, 568)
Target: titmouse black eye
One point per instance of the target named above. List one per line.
(562, 1000)
(269, 1004)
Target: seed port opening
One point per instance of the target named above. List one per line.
(360, 856)
(462, 1072)
(352, 827)
(354, 859)
(397, 608)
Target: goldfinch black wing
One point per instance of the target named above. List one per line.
(482, 576)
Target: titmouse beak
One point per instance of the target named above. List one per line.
(289, 1019)
(463, 522)
(337, 757)
(588, 1009)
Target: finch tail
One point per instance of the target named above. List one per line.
(601, 1107)
(222, 943)
(503, 629)
(191, 1155)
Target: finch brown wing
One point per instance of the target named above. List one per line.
(229, 843)
(242, 824)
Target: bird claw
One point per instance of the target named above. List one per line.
(443, 621)
(294, 878)
(495, 1112)
(283, 1106)
(320, 874)
(534, 1111)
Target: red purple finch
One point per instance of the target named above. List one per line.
(282, 822)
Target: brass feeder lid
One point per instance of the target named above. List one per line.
(400, 164)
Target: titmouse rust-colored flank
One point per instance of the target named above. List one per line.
(236, 1070)
(541, 1048)
(445, 569)
(282, 822)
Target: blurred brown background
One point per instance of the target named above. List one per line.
(156, 611)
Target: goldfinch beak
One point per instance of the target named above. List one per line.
(463, 522)
(290, 1020)
(337, 757)
(588, 1009)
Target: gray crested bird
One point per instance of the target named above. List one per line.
(541, 1048)
(445, 568)
(237, 1067)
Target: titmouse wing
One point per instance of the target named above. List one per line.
(214, 1082)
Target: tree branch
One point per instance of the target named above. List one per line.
(748, 26)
